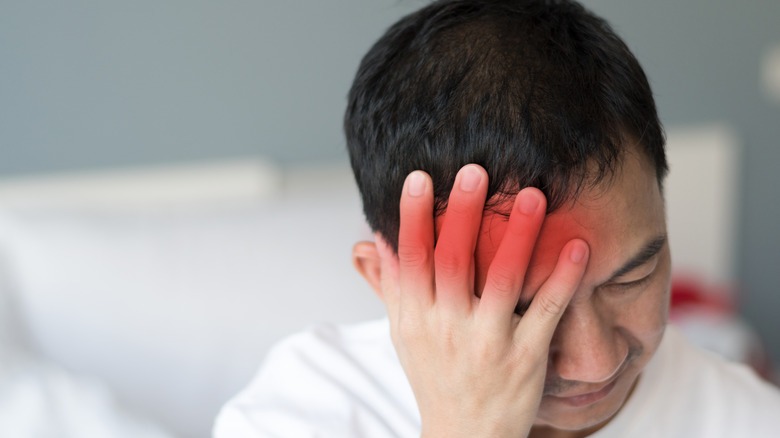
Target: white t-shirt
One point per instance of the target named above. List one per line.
(347, 382)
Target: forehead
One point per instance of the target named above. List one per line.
(616, 219)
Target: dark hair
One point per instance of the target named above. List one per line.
(539, 93)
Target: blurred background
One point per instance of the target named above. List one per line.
(153, 152)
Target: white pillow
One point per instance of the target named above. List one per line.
(175, 308)
(40, 400)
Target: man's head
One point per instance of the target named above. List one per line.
(539, 93)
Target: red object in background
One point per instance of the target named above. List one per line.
(708, 315)
(689, 294)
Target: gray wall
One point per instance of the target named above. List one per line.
(90, 84)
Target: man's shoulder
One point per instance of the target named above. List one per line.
(707, 372)
(687, 391)
(340, 380)
(328, 353)
(339, 336)
(331, 349)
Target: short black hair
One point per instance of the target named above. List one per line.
(539, 93)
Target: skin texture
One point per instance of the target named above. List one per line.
(568, 364)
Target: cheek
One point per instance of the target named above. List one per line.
(645, 316)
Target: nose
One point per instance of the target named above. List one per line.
(586, 346)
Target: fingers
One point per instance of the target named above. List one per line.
(454, 255)
(539, 322)
(420, 276)
(415, 242)
(450, 281)
(510, 263)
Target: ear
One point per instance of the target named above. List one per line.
(365, 259)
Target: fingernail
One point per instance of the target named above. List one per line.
(577, 253)
(416, 184)
(470, 178)
(528, 202)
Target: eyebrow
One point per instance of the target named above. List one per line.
(647, 252)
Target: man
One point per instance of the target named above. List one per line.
(511, 163)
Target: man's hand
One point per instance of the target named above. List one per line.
(477, 369)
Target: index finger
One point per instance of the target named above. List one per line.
(415, 242)
(539, 322)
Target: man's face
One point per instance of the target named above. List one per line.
(616, 319)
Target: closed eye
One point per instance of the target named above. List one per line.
(632, 284)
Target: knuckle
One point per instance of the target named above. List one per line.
(449, 263)
(484, 351)
(549, 304)
(407, 331)
(502, 280)
(491, 345)
(524, 351)
(462, 218)
(529, 354)
(462, 211)
(412, 256)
